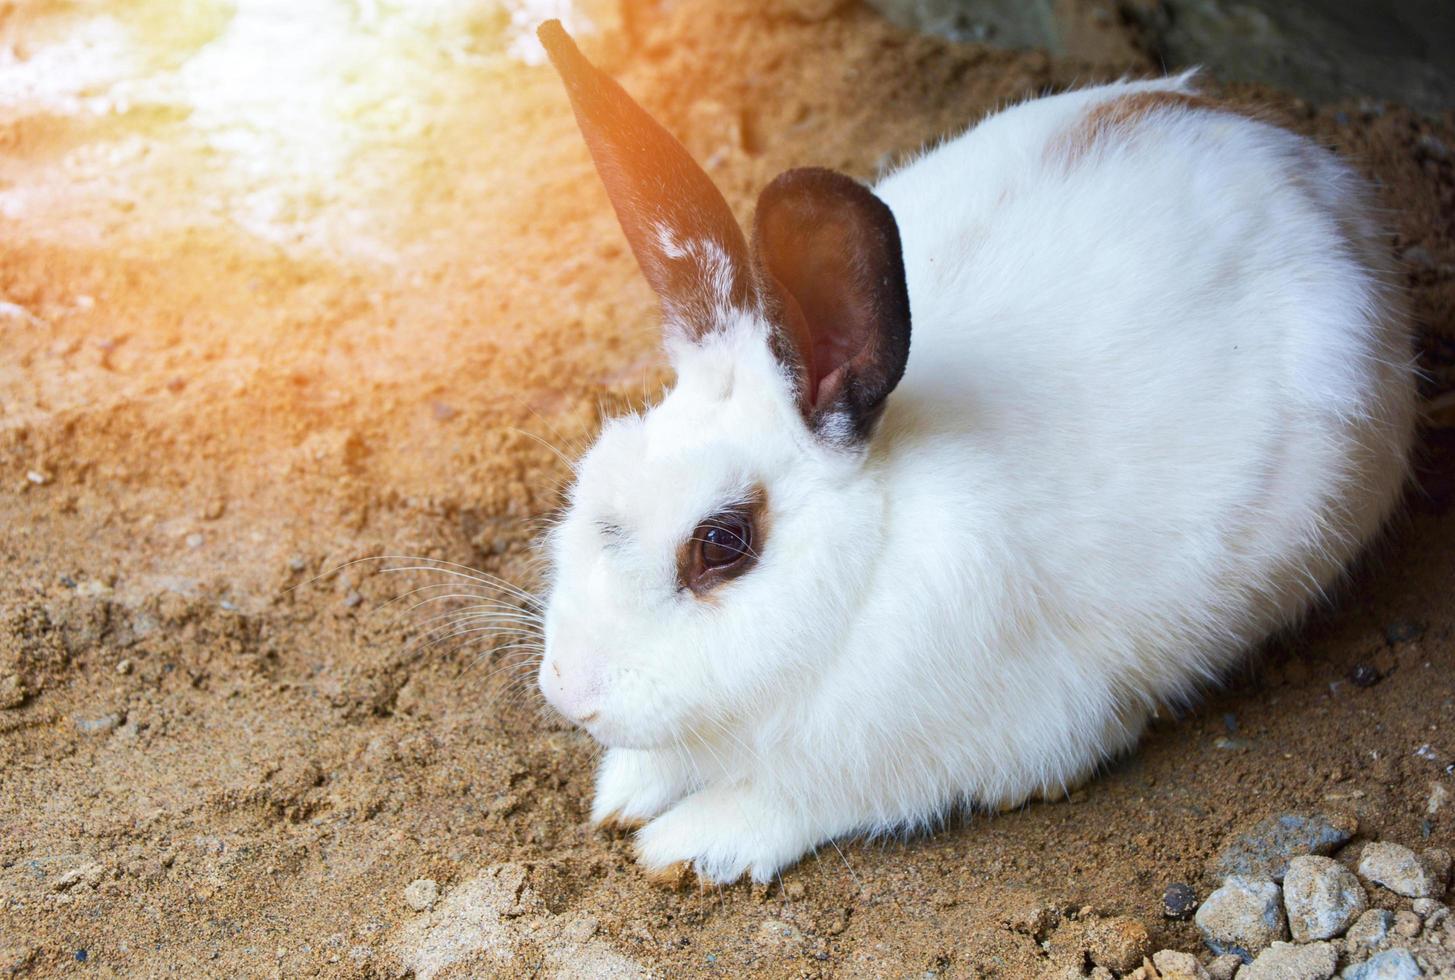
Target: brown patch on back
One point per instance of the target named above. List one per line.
(1120, 116)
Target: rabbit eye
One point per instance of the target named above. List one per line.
(724, 540)
(722, 547)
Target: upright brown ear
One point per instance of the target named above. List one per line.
(684, 234)
(832, 277)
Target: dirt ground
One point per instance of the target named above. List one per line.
(291, 285)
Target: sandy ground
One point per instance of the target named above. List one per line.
(292, 285)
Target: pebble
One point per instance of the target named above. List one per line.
(1119, 944)
(1407, 924)
(194, 540)
(1179, 901)
(1425, 907)
(1286, 961)
(582, 928)
(1433, 147)
(13, 692)
(1245, 917)
(421, 894)
(1403, 631)
(352, 599)
(1322, 897)
(297, 563)
(1264, 851)
(37, 477)
(1439, 796)
(1173, 965)
(1364, 675)
(1392, 964)
(97, 726)
(1224, 967)
(1402, 871)
(1370, 930)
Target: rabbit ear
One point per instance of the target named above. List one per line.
(684, 234)
(828, 257)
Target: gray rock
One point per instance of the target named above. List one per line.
(1369, 931)
(1402, 871)
(1322, 897)
(1244, 917)
(1264, 851)
(1285, 961)
(1392, 964)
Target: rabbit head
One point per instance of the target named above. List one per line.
(713, 545)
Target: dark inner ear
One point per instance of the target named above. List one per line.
(832, 275)
(683, 233)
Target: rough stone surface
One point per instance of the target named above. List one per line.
(1403, 871)
(1369, 930)
(1287, 961)
(1264, 851)
(1322, 898)
(1118, 944)
(1392, 964)
(1173, 965)
(1243, 917)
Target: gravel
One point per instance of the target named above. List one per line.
(421, 894)
(1403, 631)
(1224, 967)
(1264, 851)
(1179, 901)
(1364, 675)
(1322, 898)
(1370, 930)
(1402, 871)
(1173, 965)
(1392, 964)
(1286, 961)
(1244, 917)
(1119, 944)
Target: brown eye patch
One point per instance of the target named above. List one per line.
(723, 546)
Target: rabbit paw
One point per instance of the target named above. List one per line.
(634, 785)
(723, 833)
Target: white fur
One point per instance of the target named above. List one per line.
(1158, 396)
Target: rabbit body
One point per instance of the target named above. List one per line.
(1159, 395)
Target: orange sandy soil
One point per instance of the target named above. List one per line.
(246, 341)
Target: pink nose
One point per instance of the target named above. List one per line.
(574, 690)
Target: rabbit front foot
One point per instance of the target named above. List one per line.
(723, 833)
(634, 785)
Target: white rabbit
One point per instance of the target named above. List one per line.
(1160, 394)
